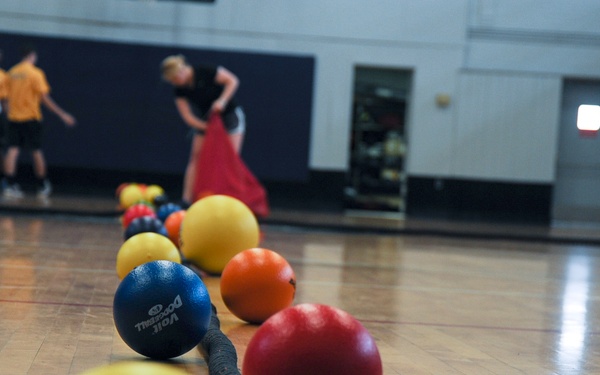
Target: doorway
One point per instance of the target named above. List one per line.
(378, 147)
(576, 195)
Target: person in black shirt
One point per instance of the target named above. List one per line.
(200, 90)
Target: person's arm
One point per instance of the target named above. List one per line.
(188, 116)
(4, 104)
(230, 82)
(52, 106)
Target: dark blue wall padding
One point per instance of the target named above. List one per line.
(127, 118)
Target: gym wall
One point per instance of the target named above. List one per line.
(126, 115)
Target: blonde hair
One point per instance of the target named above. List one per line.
(171, 65)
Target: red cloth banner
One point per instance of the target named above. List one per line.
(220, 170)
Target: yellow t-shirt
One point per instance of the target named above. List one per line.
(26, 86)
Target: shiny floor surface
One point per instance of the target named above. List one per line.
(434, 304)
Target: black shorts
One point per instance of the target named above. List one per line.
(234, 121)
(26, 135)
(3, 126)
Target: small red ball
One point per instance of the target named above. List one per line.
(312, 339)
(135, 211)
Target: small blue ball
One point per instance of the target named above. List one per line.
(167, 209)
(162, 309)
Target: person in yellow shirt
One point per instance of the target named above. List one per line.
(27, 90)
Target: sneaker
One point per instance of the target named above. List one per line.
(45, 190)
(13, 191)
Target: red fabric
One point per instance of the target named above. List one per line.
(220, 170)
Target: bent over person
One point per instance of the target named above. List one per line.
(205, 89)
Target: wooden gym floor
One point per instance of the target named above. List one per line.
(438, 297)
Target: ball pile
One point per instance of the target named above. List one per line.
(162, 308)
(129, 193)
(208, 233)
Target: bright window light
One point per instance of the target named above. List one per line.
(588, 117)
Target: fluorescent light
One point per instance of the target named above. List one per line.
(588, 117)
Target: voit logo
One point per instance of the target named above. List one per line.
(159, 317)
(155, 310)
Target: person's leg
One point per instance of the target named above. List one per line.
(190, 171)
(14, 135)
(44, 187)
(10, 163)
(39, 164)
(237, 140)
(13, 141)
(235, 123)
(34, 143)
(11, 188)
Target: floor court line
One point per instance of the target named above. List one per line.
(70, 269)
(50, 303)
(469, 326)
(363, 321)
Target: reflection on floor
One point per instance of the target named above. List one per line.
(334, 220)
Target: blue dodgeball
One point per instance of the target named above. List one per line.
(162, 309)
